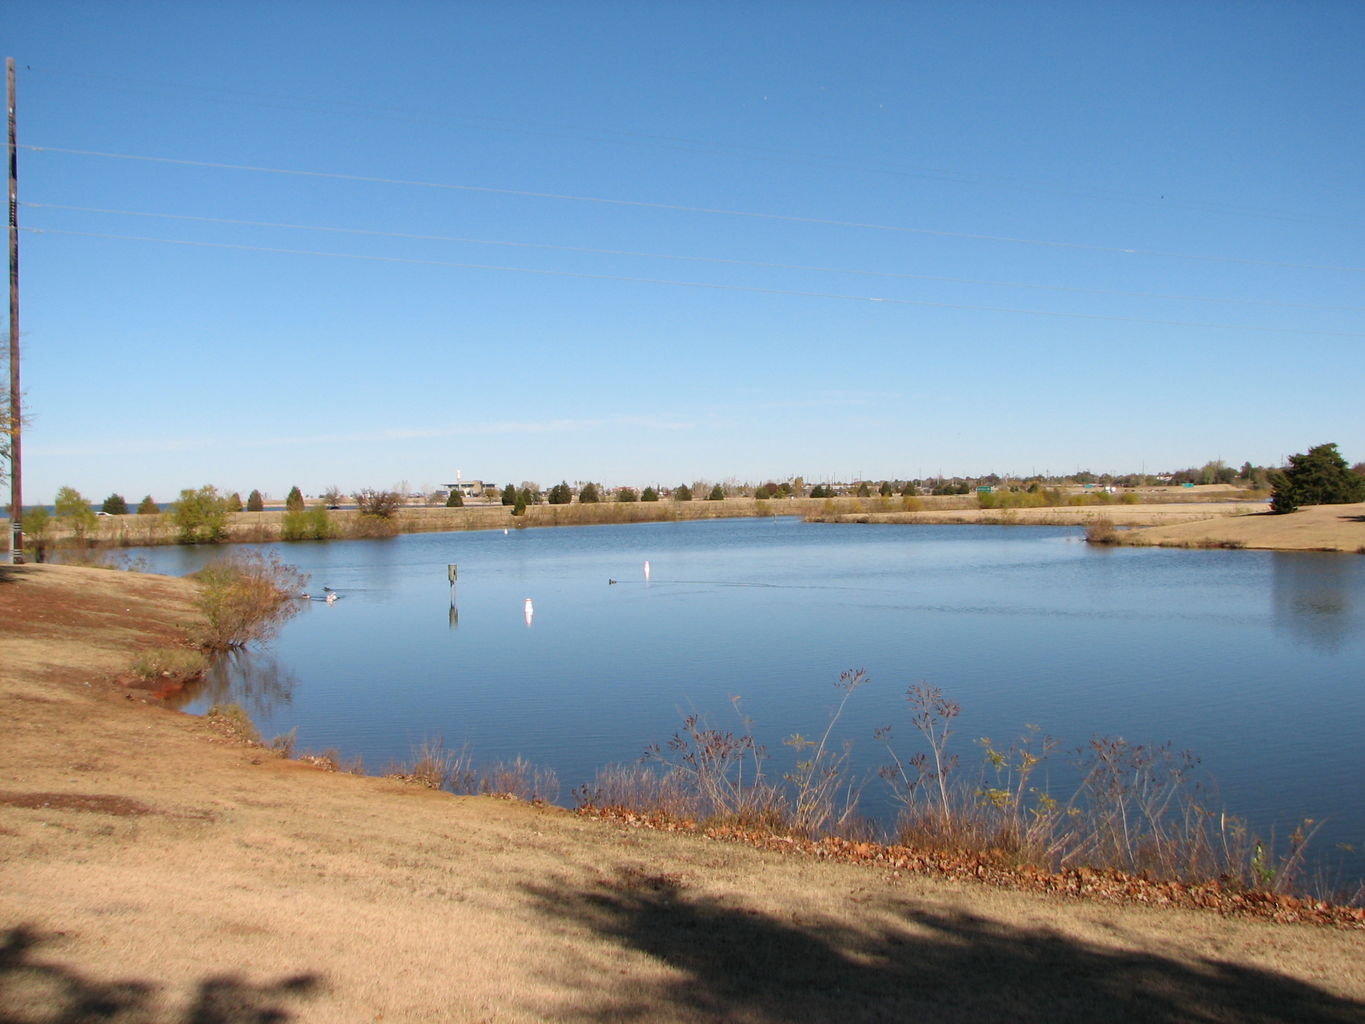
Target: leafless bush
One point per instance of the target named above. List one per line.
(283, 743)
(725, 771)
(233, 722)
(331, 760)
(381, 504)
(521, 779)
(824, 794)
(437, 766)
(1137, 808)
(639, 788)
(1101, 530)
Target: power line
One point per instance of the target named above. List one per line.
(581, 275)
(723, 260)
(681, 208)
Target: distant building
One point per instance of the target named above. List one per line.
(468, 488)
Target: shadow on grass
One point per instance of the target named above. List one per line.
(732, 963)
(34, 989)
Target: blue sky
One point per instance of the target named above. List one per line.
(351, 243)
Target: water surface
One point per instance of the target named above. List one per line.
(1251, 659)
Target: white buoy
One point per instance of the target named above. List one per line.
(529, 611)
(504, 533)
(646, 568)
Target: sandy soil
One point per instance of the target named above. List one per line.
(151, 870)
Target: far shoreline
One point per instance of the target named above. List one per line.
(1160, 522)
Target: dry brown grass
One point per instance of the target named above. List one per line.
(149, 864)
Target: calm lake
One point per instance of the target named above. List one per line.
(1253, 660)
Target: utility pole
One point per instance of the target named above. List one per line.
(16, 462)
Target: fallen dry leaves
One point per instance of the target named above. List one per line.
(1100, 885)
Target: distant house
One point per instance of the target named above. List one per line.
(468, 488)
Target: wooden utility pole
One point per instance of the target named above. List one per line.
(16, 475)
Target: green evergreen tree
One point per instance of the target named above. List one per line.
(509, 495)
(454, 499)
(627, 494)
(148, 507)
(234, 502)
(717, 493)
(1318, 477)
(114, 505)
(649, 494)
(682, 493)
(590, 494)
(561, 493)
(254, 502)
(294, 503)
(519, 503)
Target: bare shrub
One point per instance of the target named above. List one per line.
(824, 796)
(1137, 808)
(436, 766)
(331, 760)
(283, 743)
(380, 504)
(245, 598)
(724, 771)
(232, 721)
(522, 780)
(638, 787)
(1101, 530)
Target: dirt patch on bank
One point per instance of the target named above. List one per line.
(156, 872)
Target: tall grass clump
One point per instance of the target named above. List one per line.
(170, 664)
(245, 598)
(436, 766)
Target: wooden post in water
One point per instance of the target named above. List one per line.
(452, 573)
